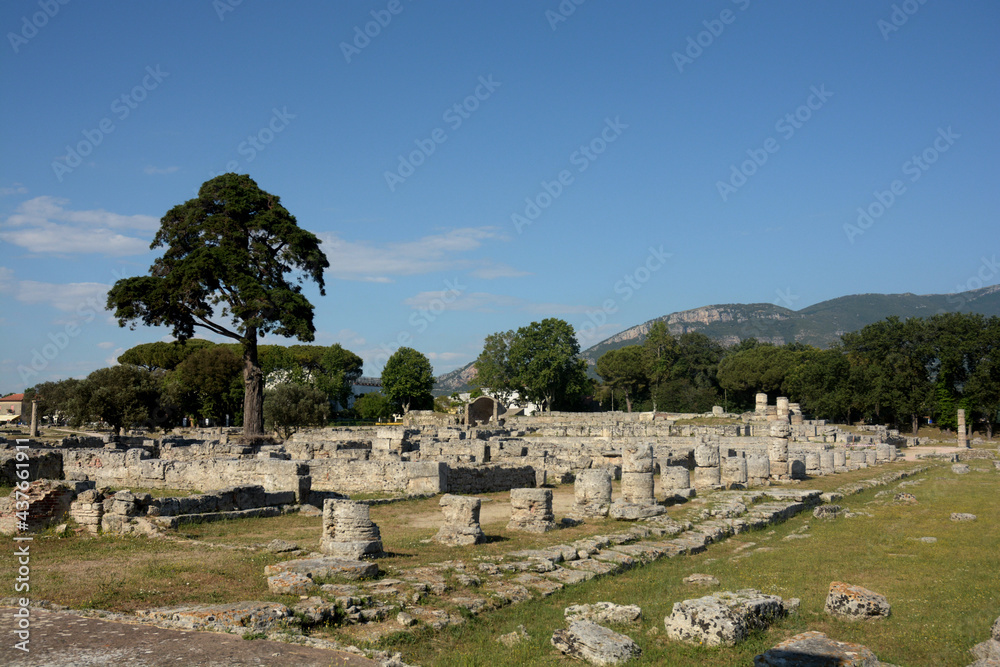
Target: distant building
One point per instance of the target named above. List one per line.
(10, 408)
(363, 385)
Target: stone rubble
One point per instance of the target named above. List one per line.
(855, 602)
(724, 618)
(595, 644)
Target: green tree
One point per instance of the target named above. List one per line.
(661, 352)
(373, 406)
(624, 369)
(230, 248)
(761, 368)
(408, 378)
(494, 371)
(545, 356)
(55, 399)
(820, 383)
(983, 388)
(288, 407)
(161, 355)
(208, 383)
(120, 396)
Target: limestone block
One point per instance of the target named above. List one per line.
(461, 521)
(707, 477)
(960, 468)
(855, 602)
(706, 455)
(962, 516)
(624, 511)
(815, 648)
(781, 404)
(595, 644)
(724, 618)
(797, 466)
(531, 510)
(675, 478)
(348, 531)
(871, 458)
(637, 488)
(604, 612)
(733, 471)
(812, 463)
(761, 403)
(777, 450)
(325, 568)
(758, 468)
(290, 583)
(839, 458)
(883, 453)
(592, 493)
(778, 429)
(637, 459)
(826, 463)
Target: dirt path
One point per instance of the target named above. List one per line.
(60, 639)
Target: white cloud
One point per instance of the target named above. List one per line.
(447, 357)
(106, 345)
(366, 261)
(490, 270)
(69, 298)
(43, 225)
(150, 169)
(14, 189)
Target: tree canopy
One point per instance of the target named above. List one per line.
(624, 369)
(225, 267)
(408, 378)
(545, 356)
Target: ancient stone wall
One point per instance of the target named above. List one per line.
(489, 478)
(42, 464)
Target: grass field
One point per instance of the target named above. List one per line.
(944, 595)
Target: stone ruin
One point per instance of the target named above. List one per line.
(531, 511)
(638, 499)
(348, 531)
(461, 521)
(592, 493)
(483, 410)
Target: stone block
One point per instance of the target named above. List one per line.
(592, 493)
(290, 583)
(724, 618)
(855, 602)
(461, 521)
(595, 644)
(325, 568)
(706, 456)
(531, 510)
(348, 531)
(814, 649)
(705, 478)
(604, 612)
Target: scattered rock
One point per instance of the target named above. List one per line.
(325, 568)
(792, 606)
(315, 610)
(405, 619)
(604, 612)
(724, 618)
(814, 649)
(595, 643)
(280, 546)
(962, 516)
(906, 498)
(797, 536)
(701, 580)
(827, 511)
(855, 602)
(290, 583)
(987, 653)
(996, 629)
(514, 638)
(960, 468)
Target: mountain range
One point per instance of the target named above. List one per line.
(819, 325)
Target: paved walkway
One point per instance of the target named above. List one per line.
(61, 639)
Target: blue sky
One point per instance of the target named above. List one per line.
(472, 167)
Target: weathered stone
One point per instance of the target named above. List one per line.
(812, 463)
(592, 493)
(637, 488)
(995, 630)
(624, 511)
(675, 478)
(905, 498)
(855, 602)
(987, 653)
(777, 451)
(280, 546)
(595, 644)
(707, 477)
(706, 455)
(348, 531)
(758, 468)
(604, 612)
(827, 511)
(733, 471)
(962, 516)
(511, 639)
(531, 510)
(826, 463)
(325, 568)
(290, 583)
(814, 649)
(461, 521)
(960, 468)
(724, 618)
(701, 580)
(637, 459)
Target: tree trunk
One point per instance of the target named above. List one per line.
(253, 385)
(628, 402)
(915, 423)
